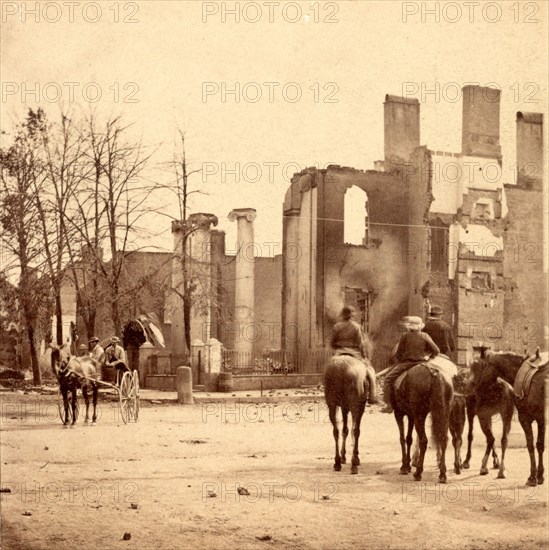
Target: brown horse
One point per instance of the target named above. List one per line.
(423, 390)
(346, 386)
(530, 408)
(73, 373)
(489, 397)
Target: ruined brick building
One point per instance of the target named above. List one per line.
(439, 228)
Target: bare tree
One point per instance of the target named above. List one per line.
(22, 249)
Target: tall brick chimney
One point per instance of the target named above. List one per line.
(530, 149)
(480, 131)
(401, 125)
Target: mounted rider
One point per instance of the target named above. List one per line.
(349, 339)
(414, 347)
(440, 331)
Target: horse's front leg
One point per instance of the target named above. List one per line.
(507, 418)
(65, 394)
(486, 426)
(541, 447)
(95, 391)
(86, 401)
(422, 436)
(409, 442)
(333, 420)
(357, 413)
(345, 433)
(74, 403)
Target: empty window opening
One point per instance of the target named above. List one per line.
(355, 225)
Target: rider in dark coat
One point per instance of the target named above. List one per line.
(440, 332)
(414, 347)
(348, 339)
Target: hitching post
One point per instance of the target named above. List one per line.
(184, 384)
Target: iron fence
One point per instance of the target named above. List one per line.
(274, 362)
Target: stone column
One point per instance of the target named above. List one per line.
(178, 346)
(244, 284)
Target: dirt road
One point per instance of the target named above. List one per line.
(172, 480)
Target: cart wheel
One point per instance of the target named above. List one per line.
(61, 407)
(136, 395)
(125, 393)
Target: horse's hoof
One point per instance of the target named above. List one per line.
(484, 471)
(65, 426)
(465, 466)
(354, 469)
(501, 475)
(405, 471)
(496, 465)
(442, 479)
(417, 477)
(337, 467)
(531, 482)
(457, 471)
(343, 460)
(357, 461)
(540, 480)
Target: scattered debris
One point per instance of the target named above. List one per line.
(485, 508)
(192, 441)
(253, 456)
(127, 536)
(211, 494)
(379, 472)
(134, 505)
(5, 490)
(242, 491)
(41, 467)
(25, 513)
(396, 513)
(325, 497)
(264, 537)
(46, 448)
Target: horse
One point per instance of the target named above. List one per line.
(423, 390)
(72, 373)
(489, 397)
(503, 368)
(346, 386)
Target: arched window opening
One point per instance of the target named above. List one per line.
(355, 224)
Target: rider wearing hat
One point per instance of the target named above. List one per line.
(439, 331)
(348, 339)
(412, 349)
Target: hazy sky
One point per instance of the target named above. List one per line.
(349, 52)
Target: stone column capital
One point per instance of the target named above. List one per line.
(249, 213)
(202, 221)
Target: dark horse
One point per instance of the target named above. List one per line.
(346, 386)
(423, 390)
(531, 407)
(487, 398)
(73, 373)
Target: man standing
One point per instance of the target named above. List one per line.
(348, 339)
(440, 332)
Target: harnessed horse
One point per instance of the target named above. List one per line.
(72, 373)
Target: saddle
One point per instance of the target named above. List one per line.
(440, 364)
(527, 371)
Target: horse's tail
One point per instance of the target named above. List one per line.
(441, 402)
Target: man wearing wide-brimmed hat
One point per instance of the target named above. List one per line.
(115, 356)
(97, 353)
(349, 339)
(439, 331)
(414, 347)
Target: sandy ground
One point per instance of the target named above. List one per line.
(171, 481)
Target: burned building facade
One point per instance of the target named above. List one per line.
(439, 227)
